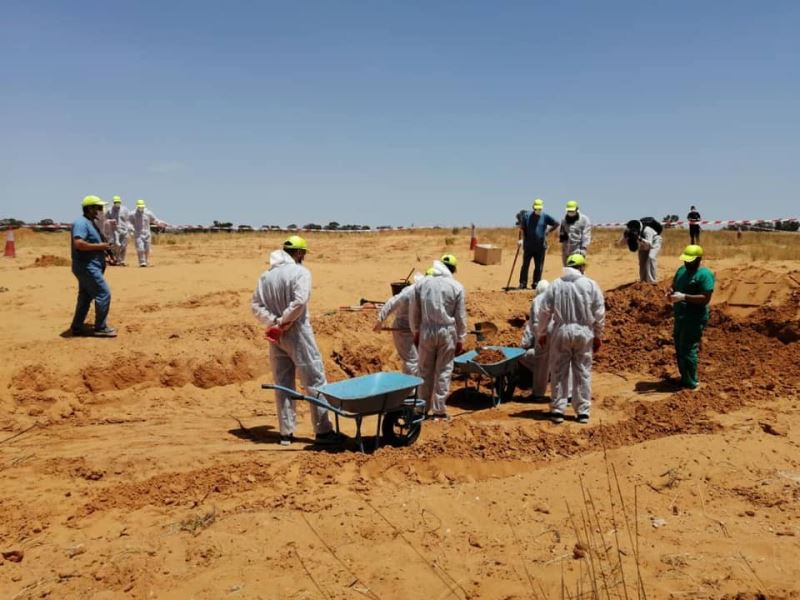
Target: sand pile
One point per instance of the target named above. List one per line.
(50, 260)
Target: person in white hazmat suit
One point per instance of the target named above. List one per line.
(140, 220)
(575, 307)
(399, 305)
(575, 232)
(537, 356)
(280, 302)
(438, 317)
(643, 238)
(117, 217)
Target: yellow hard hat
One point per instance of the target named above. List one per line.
(92, 201)
(141, 203)
(576, 260)
(572, 205)
(691, 253)
(116, 199)
(295, 242)
(538, 203)
(449, 260)
(430, 271)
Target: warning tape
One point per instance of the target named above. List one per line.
(711, 222)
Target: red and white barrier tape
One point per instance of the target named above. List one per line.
(711, 222)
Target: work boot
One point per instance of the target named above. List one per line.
(583, 419)
(286, 440)
(556, 417)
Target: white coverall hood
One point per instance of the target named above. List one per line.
(440, 269)
(279, 258)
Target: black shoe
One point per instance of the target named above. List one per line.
(286, 440)
(523, 286)
(556, 417)
(328, 438)
(582, 419)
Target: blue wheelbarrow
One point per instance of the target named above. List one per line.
(502, 374)
(388, 395)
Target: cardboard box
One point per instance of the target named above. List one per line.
(486, 254)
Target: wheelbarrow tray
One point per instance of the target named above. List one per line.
(465, 363)
(371, 394)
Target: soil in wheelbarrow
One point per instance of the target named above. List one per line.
(489, 357)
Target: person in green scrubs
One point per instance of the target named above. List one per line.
(690, 294)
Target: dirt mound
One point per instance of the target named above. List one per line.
(50, 260)
(638, 338)
(127, 370)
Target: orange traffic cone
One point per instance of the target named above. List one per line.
(11, 251)
(473, 241)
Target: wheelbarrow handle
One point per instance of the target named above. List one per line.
(321, 402)
(480, 368)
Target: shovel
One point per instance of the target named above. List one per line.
(484, 330)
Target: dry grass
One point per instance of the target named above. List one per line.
(751, 246)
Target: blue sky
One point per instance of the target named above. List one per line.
(405, 112)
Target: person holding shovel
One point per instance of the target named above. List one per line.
(438, 318)
(534, 227)
(399, 306)
(280, 302)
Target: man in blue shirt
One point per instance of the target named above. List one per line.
(534, 227)
(88, 264)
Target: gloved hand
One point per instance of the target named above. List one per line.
(274, 334)
(677, 297)
(378, 326)
(519, 242)
(459, 348)
(596, 343)
(542, 340)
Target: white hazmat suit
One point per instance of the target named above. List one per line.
(537, 357)
(574, 306)
(141, 219)
(281, 299)
(118, 217)
(399, 305)
(438, 315)
(649, 248)
(575, 236)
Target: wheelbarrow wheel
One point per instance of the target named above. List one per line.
(401, 428)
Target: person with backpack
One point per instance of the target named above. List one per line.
(644, 236)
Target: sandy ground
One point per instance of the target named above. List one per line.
(146, 466)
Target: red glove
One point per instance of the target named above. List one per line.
(459, 348)
(596, 343)
(274, 334)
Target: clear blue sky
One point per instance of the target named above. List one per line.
(403, 112)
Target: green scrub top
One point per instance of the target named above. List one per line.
(699, 282)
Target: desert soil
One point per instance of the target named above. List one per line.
(147, 466)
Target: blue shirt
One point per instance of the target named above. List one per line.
(535, 227)
(83, 228)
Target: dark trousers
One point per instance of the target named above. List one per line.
(538, 266)
(694, 234)
(91, 286)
